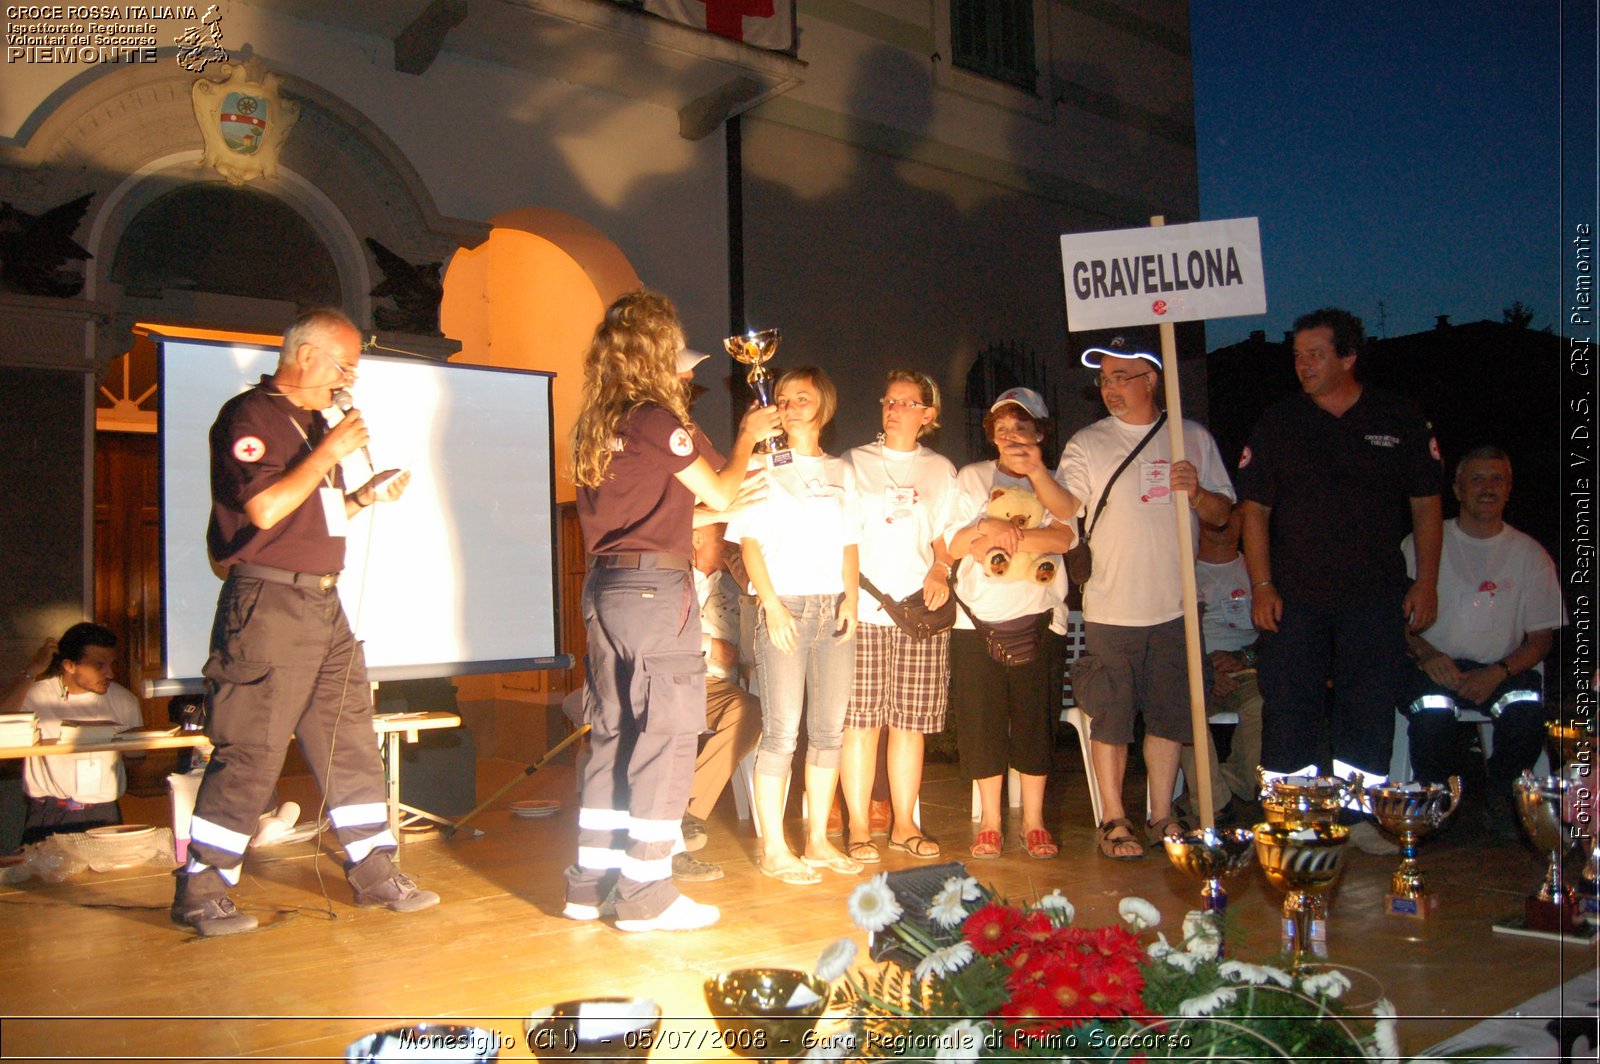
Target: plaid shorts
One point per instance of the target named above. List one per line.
(899, 681)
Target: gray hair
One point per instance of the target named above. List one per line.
(310, 326)
(1486, 452)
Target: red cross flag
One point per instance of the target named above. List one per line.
(763, 23)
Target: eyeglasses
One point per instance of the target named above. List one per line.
(347, 372)
(902, 404)
(1117, 380)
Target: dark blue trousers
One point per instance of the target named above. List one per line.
(1360, 647)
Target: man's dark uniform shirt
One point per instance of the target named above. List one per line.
(258, 437)
(1338, 489)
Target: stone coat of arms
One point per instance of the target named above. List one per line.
(244, 120)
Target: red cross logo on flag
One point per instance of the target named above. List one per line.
(757, 22)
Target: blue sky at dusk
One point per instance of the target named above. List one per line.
(1400, 153)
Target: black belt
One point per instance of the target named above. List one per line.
(320, 581)
(648, 560)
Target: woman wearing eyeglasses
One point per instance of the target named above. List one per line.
(799, 547)
(1004, 711)
(908, 502)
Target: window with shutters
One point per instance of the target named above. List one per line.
(994, 38)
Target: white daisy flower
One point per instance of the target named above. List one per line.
(1201, 935)
(960, 1043)
(970, 891)
(1385, 1039)
(1059, 909)
(946, 961)
(1186, 962)
(1159, 948)
(1255, 974)
(836, 960)
(1329, 984)
(946, 909)
(872, 905)
(1138, 913)
(1206, 1004)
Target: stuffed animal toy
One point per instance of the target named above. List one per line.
(1022, 508)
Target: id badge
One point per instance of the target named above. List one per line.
(1477, 611)
(897, 503)
(88, 775)
(333, 511)
(1155, 482)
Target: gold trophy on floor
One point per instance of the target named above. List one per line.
(1295, 802)
(1572, 754)
(755, 349)
(1410, 811)
(1211, 855)
(1304, 863)
(1552, 910)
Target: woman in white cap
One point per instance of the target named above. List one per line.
(1005, 711)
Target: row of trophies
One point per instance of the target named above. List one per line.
(1301, 845)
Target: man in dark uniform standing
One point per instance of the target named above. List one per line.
(283, 659)
(1326, 481)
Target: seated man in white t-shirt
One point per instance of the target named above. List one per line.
(76, 792)
(1499, 607)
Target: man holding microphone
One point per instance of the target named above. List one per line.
(283, 660)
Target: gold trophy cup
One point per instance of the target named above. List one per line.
(1541, 804)
(1304, 863)
(1409, 811)
(1211, 856)
(1297, 801)
(1571, 748)
(755, 349)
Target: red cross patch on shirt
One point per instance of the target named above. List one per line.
(249, 449)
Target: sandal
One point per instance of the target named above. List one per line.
(1159, 831)
(987, 845)
(1116, 848)
(1039, 845)
(795, 877)
(917, 846)
(865, 852)
(845, 866)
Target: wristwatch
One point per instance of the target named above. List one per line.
(1248, 656)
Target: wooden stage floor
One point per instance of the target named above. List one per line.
(93, 969)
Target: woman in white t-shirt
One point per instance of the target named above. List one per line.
(1004, 712)
(908, 502)
(800, 551)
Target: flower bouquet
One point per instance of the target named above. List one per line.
(992, 979)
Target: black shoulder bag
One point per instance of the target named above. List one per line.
(1080, 562)
(1013, 642)
(911, 614)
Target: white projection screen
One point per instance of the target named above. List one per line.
(456, 577)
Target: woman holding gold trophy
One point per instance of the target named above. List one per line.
(800, 551)
(639, 462)
(908, 501)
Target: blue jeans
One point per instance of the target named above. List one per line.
(817, 675)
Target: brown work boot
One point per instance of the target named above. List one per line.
(201, 901)
(377, 882)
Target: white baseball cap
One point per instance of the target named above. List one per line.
(1117, 348)
(1027, 398)
(688, 360)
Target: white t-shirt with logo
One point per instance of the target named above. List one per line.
(989, 598)
(803, 526)
(1492, 593)
(1136, 581)
(906, 499)
(86, 778)
(1223, 588)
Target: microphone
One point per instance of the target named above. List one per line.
(342, 400)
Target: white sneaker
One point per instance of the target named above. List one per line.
(1367, 839)
(575, 911)
(682, 915)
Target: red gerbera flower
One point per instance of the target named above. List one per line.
(992, 928)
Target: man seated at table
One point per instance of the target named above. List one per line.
(75, 792)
